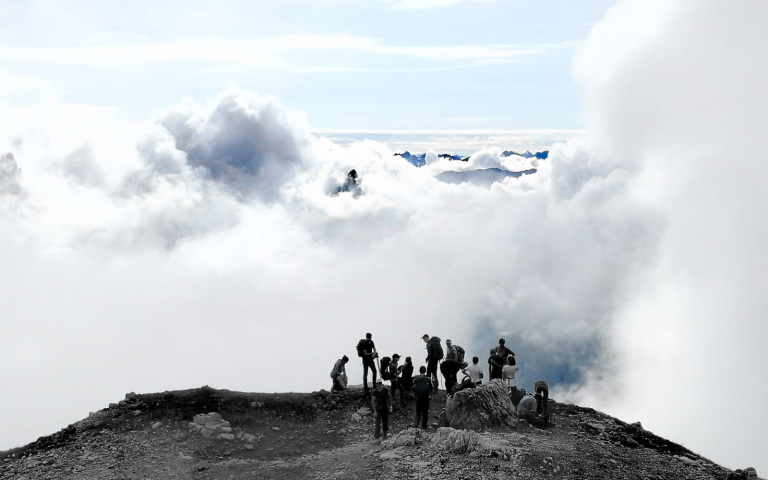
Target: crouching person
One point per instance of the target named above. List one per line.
(381, 403)
(526, 410)
(339, 374)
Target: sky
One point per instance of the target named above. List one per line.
(169, 213)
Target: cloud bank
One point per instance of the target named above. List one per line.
(674, 90)
(214, 245)
(207, 247)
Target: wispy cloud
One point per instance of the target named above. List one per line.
(268, 52)
(426, 4)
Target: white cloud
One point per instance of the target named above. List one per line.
(676, 97)
(217, 232)
(427, 4)
(264, 53)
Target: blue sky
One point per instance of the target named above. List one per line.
(349, 64)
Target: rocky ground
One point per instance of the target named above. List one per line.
(317, 436)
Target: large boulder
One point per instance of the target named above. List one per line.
(479, 408)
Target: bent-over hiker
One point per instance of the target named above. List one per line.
(381, 403)
(526, 410)
(339, 374)
(422, 387)
(449, 369)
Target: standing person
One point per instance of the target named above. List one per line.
(508, 373)
(434, 355)
(406, 376)
(397, 386)
(450, 352)
(475, 372)
(367, 351)
(381, 403)
(502, 349)
(495, 364)
(339, 374)
(422, 388)
(542, 397)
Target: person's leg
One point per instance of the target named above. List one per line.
(425, 413)
(377, 430)
(373, 369)
(365, 376)
(385, 421)
(545, 399)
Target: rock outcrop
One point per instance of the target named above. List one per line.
(479, 408)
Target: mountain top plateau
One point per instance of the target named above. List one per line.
(204, 433)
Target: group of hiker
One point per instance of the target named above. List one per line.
(502, 366)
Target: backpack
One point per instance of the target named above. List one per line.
(420, 384)
(459, 353)
(436, 351)
(360, 347)
(385, 373)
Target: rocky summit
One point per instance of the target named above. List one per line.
(206, 433)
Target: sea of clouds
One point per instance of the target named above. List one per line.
(207, 245)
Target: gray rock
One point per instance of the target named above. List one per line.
(478, 408)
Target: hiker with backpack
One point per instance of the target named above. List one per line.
(339, 374)
(434, 355)
(367, 351)
(390, 372)
(397, 385)
(454, 352)
(422, 388)
(381, 403)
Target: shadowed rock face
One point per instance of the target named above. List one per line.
(480, 408)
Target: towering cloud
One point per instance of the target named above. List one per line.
(675, 91)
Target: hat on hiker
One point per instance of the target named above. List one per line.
(448, 342)
(395, 356)
(378, 380)
(425, 336)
